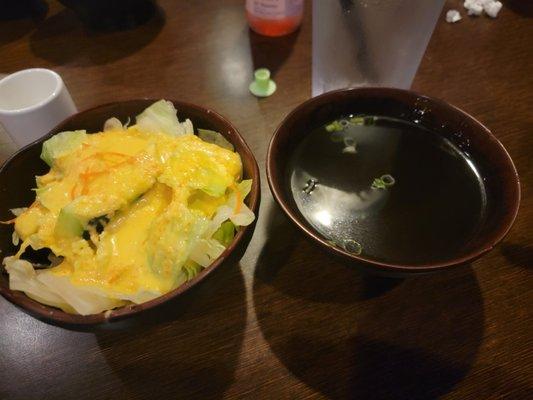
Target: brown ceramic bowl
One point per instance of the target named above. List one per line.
(490, 157)
(17, 178)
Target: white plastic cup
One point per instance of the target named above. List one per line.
(32, 102)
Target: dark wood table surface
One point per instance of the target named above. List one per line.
(288, 321)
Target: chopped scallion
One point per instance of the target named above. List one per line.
(335, 126)
(388, 180)
(383, 182)
(357, 120)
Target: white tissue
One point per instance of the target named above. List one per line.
(453, 16)
(492, 8)
(476, 7)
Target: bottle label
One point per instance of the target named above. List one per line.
(274, 9)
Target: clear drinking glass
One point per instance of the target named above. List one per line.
(370, 42)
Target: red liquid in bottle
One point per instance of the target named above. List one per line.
(274, 17)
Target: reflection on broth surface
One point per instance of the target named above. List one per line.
(388, 189)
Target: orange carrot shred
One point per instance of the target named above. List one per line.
(238, 198)
(73, 191)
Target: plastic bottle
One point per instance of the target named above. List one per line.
(274, 17)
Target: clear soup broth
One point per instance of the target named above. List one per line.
(390, 190)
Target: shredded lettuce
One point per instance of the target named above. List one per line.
(113, 124)
(23, 277)
(206, 251)
(141, 296)
(214, 137)
(75, 216)
(188, 127)
(172, 239)
(234, 210)
(181, 245)
(225, 233)
(211, 179)
(245, 187)
(15, 238)
(57, 291)
(17, 211)
(84, 300)
(161, 117)
(62, 144)
(191, 269)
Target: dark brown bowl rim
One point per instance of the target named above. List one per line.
(49, 313)
(294, 216)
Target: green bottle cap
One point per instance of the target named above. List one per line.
(262, 86)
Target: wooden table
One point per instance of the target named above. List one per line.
(289, 322)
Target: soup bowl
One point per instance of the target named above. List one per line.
(470, 139)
